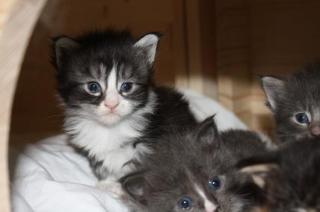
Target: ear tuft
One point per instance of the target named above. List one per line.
(273, 88)
(149, 43)
(62, 46)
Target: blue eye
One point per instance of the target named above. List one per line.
(302, 118)
(94, 87)
(214, 183)
(126, 87)
(185, 203)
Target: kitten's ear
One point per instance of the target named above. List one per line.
(135, 185)
(273, 88)
(62, 47)
(207, 132)
(148, 43)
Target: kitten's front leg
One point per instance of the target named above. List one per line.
(106, 181)
(109, 181)
(111, 184)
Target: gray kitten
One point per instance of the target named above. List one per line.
(295, 103)
(193, 172)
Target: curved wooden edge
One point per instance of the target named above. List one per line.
(19, 19)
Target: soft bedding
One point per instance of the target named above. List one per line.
(51, 177)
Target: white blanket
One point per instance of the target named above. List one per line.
(51, 177)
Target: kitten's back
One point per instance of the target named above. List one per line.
(289, 178)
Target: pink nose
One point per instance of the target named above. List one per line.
(315, 130)
(211, 209)
(111, 104)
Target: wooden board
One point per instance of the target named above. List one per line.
(17, 21)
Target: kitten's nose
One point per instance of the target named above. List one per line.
(111, 104)
(315, 130)
(210, 207)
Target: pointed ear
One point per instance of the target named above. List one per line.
(273, 88)
(62, 47)
(135, 185)
(148, 43)
(207, 132)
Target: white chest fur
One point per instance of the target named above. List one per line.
(107, 144)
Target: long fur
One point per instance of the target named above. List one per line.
(115, 143)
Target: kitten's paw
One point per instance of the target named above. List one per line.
(111, 186)
(267, 141)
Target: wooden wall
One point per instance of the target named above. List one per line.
(257, 37)
(21, 15)
(36, 112)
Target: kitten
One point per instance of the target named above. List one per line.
(289, 178)
(295, 103)
(188, 172)
(113, 109)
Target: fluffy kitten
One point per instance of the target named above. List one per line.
(113, 110)
(189, 172)
(289, 178)
(295, 103)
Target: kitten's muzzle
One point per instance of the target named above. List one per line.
(315, 130)
(112, 105)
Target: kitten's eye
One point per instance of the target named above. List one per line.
(214, 183)
(302, 118)
(93, 88)
(126, 87)
(185, 203)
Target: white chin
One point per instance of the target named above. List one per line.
(111, 119)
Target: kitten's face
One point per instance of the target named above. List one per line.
(295, 102)
(194, 177)
(105, 80)
(194, 192)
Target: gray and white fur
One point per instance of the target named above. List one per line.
(113, 109)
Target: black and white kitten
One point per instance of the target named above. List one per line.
(289, 178)
(189, 172)
(113, 110)
(295, 103)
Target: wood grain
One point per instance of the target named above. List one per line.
(259, 37)
(16, 28)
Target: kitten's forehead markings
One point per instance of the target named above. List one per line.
(102, 71)
(112, 91)
(112, 79)
(102, 75)
(121, 70)
(208, 205)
